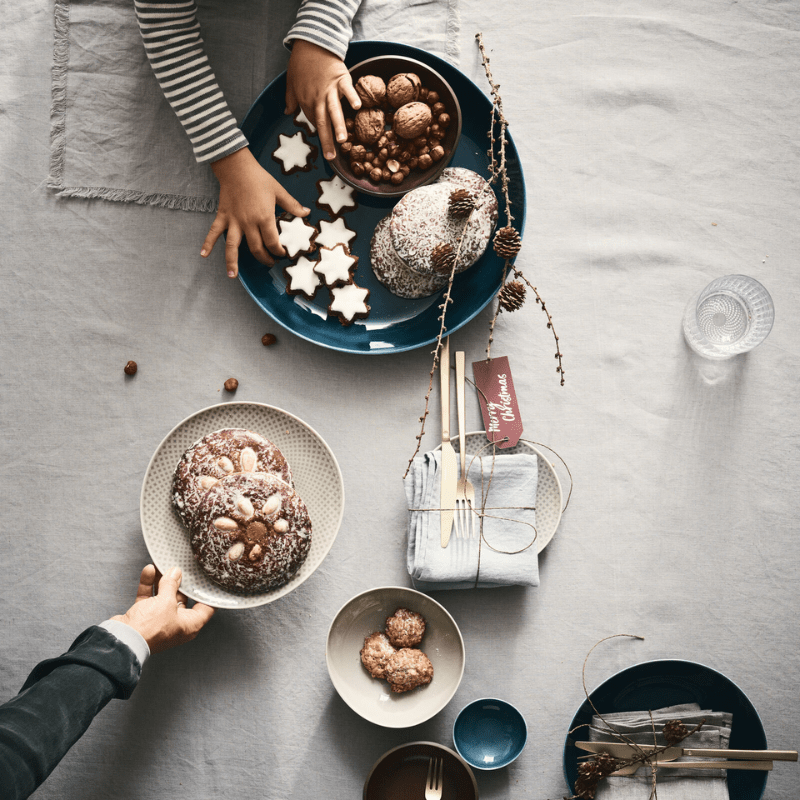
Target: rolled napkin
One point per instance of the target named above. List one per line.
(511, 483)
(673, 784)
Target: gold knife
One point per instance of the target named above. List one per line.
(622, 750)
(449, 474)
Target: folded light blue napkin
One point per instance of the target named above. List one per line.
(513, 486)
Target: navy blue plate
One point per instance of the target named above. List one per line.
(394, 324)
(656, 684)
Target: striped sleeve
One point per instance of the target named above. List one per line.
(171, 35)
(327, 23)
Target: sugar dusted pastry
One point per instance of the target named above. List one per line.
(301, 279)
(294, 153)
(349, 303)
(251, 533)
(336, 265)
(375, 653)
(217, 455)
(334, 232)
(296, 235)
(405, 628)
(407, 669)
(336, 196)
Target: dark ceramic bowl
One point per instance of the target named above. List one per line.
(489, 733)
(385, 67)
(401, 774)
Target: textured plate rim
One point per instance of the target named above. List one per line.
(545, 540)
(257, 599)
(655, 662)
(413, 592)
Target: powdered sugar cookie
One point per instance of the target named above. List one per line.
(334, 232)
(294, 153)
(335, 195)
(390, 270)
(302, 121)
(251, 533)
(349, 303)
(465, 179)
(296, 235)
(301, 278)
(421, 220)
(336, 265)
(217, 455)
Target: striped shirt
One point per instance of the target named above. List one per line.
(171, 35)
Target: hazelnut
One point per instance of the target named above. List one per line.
(437, 153)
(436, 131)
(384, 153)
(444, 120)
(433, 98)
(411, 120)
(405, 169)
(422, 150)
(420, 141)
(403, 156)
(371, 89)
(423, 94)
(358, 168)
(349, 123)
(386, 174)
(383, 141)
(130, 368)
(231, 385)
(390, 135)
(359, 152)
(346, 147)
(393, 149)
(425, 161)
(438, 108)
(392, 165)
(403, 88)
(375, 175)
(369, 125)
(369, 155)
(268, 338)
(413, 162)
(397, 178)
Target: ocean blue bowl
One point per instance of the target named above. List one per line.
(489, 733)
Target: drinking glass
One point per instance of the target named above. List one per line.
(731, 315)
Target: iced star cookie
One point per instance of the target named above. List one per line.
(390, 270)
(302, 121)
(251, 533)
(301, 278)
(335, 195)
(334, 232)
(349, 303)
(294, 153)
(336, 266)
(421, 220)
(296, 235)
(217, 455)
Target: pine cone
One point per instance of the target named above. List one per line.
(461, 203)
(588, 777)
(512, 296)
(442, 258)
(675, 731)
(507, 242)
(606, 764)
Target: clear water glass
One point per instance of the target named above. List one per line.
(731, 315)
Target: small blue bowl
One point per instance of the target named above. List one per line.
(489, 733)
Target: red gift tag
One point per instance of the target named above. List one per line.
(498, 401)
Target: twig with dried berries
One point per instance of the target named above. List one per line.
(601, 765)
(507, 241)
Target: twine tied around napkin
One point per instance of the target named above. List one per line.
(463, 564)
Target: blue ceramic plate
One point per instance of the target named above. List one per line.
(656, 684)
(394, 324)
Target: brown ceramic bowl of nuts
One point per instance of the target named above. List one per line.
(405, 132)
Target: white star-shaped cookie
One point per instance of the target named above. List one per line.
(335, 265)
(349, 301)
(333, 233)
(335, 194)
(295, 235)
(293, 152)
(302, 279)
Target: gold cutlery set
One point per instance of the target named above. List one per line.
(457, 496)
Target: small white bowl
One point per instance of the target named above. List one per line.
(372, 698)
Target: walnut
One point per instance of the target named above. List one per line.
(372, 90)
(403, 88)
(369, 125)
(411, 120)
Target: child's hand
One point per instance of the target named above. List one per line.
(247, 198)
(316, 79)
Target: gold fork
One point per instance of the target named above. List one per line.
(465, 492)
(433, 787)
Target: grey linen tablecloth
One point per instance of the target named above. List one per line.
(114, 135)
(640, 124)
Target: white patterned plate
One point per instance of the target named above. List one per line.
(549, 499)
(317, 479)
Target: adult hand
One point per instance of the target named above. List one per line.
(316, 79)
(247, 198)
(163, 619)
